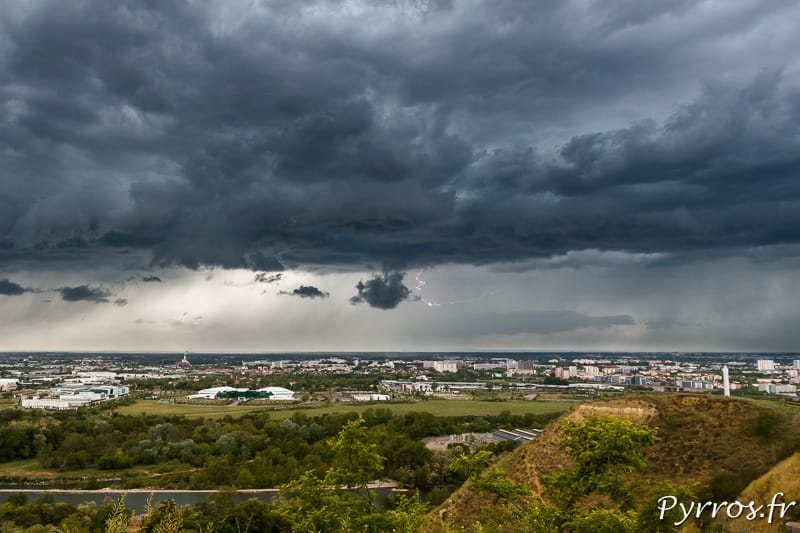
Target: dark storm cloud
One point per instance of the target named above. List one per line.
(121, 302)
(84, 293)
(152, 279)
(382, 292)
(542, 322)
(307, 291)
(259, 261)
(9, 288)
(392, 135)
(75, 242)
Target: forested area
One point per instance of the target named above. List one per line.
(251, 451)
(309, 458)
(338, 499)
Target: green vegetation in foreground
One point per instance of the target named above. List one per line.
(255, 447)
(438, 407)
(596, 494)
(336, 499)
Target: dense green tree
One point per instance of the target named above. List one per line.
(355, 461)
(604, 449)
(317, 504)
(467, 465)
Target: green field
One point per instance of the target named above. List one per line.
(436, 407)
(26, 468)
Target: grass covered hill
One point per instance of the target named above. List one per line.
(785, 478)
(714, 445)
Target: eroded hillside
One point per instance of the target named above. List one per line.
(713, 445)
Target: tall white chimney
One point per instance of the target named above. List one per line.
(726, 383)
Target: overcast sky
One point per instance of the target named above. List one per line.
(408, 174)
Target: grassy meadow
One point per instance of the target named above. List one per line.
(466, 407)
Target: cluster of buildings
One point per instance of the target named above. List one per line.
(776, 378)
(612, 372)
(60, 385)
(327, 365)
(426, 386)
(68, 381)
(74, 395)
(615, 374)
(763, 375)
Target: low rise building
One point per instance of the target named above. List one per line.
(50, 404)
(441, 366)
(7, 384)
(73, 395)
(231, 393)
(368, 397)
(693, 384)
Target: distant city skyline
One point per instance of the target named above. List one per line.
(434, 175)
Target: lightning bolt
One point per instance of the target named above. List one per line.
(430, 303)
(418, 290)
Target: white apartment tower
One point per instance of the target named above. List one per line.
(765, 365)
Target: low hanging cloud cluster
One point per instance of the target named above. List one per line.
(384, 291)
(307, 291)
(9, 288)
(84, 293)
(80, 293)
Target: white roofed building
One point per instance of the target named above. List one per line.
(211, 394)
(278, 393)
(266, 393)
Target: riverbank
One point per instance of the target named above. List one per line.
(138, 499)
